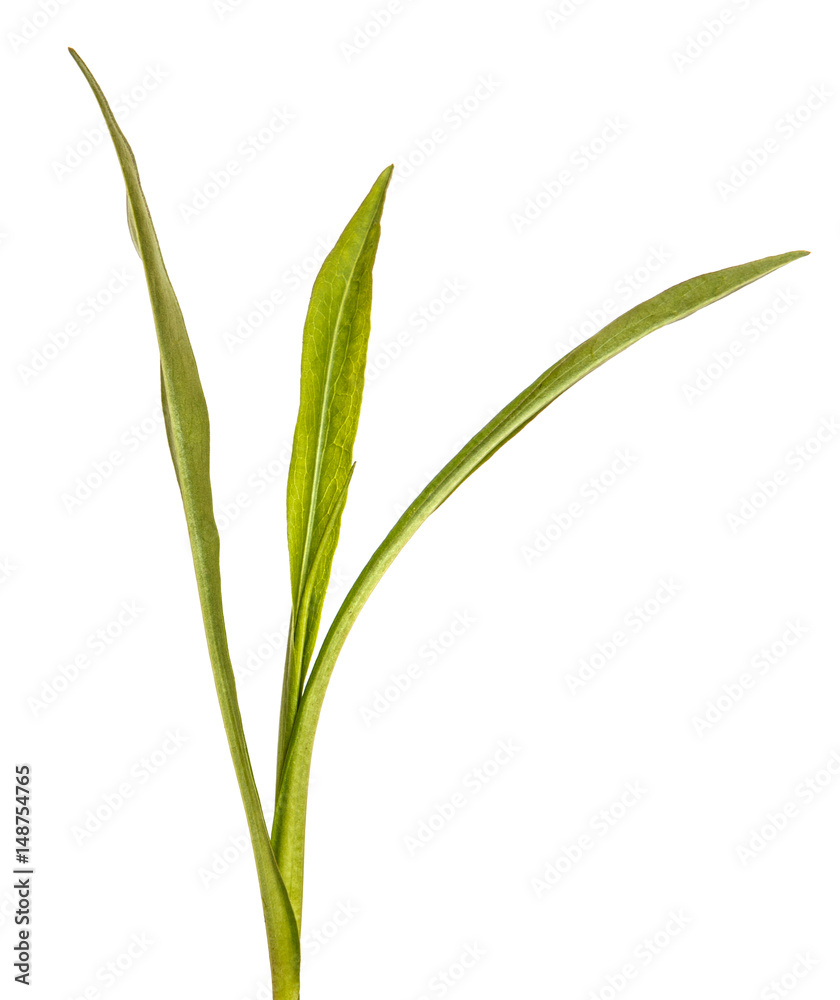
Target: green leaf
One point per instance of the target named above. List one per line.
(188, 433)
(671, 305)
(335, 340)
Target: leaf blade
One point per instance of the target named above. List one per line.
(333, 359)
(188, 434)
(673, 304)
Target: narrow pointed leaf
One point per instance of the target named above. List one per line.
(188, 433)
(669, 306)
(335, 340)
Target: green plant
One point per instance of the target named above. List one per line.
(335, 339)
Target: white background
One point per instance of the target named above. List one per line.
(685, 125)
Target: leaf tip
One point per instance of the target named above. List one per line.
(791, 256)
(82, 66)
(383, 180)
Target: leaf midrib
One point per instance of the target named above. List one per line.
(319, 452)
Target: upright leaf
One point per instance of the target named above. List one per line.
(669, 306)
(188, 433)
(335, 340)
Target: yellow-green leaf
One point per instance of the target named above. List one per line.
(669, 306)
(335, 340)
